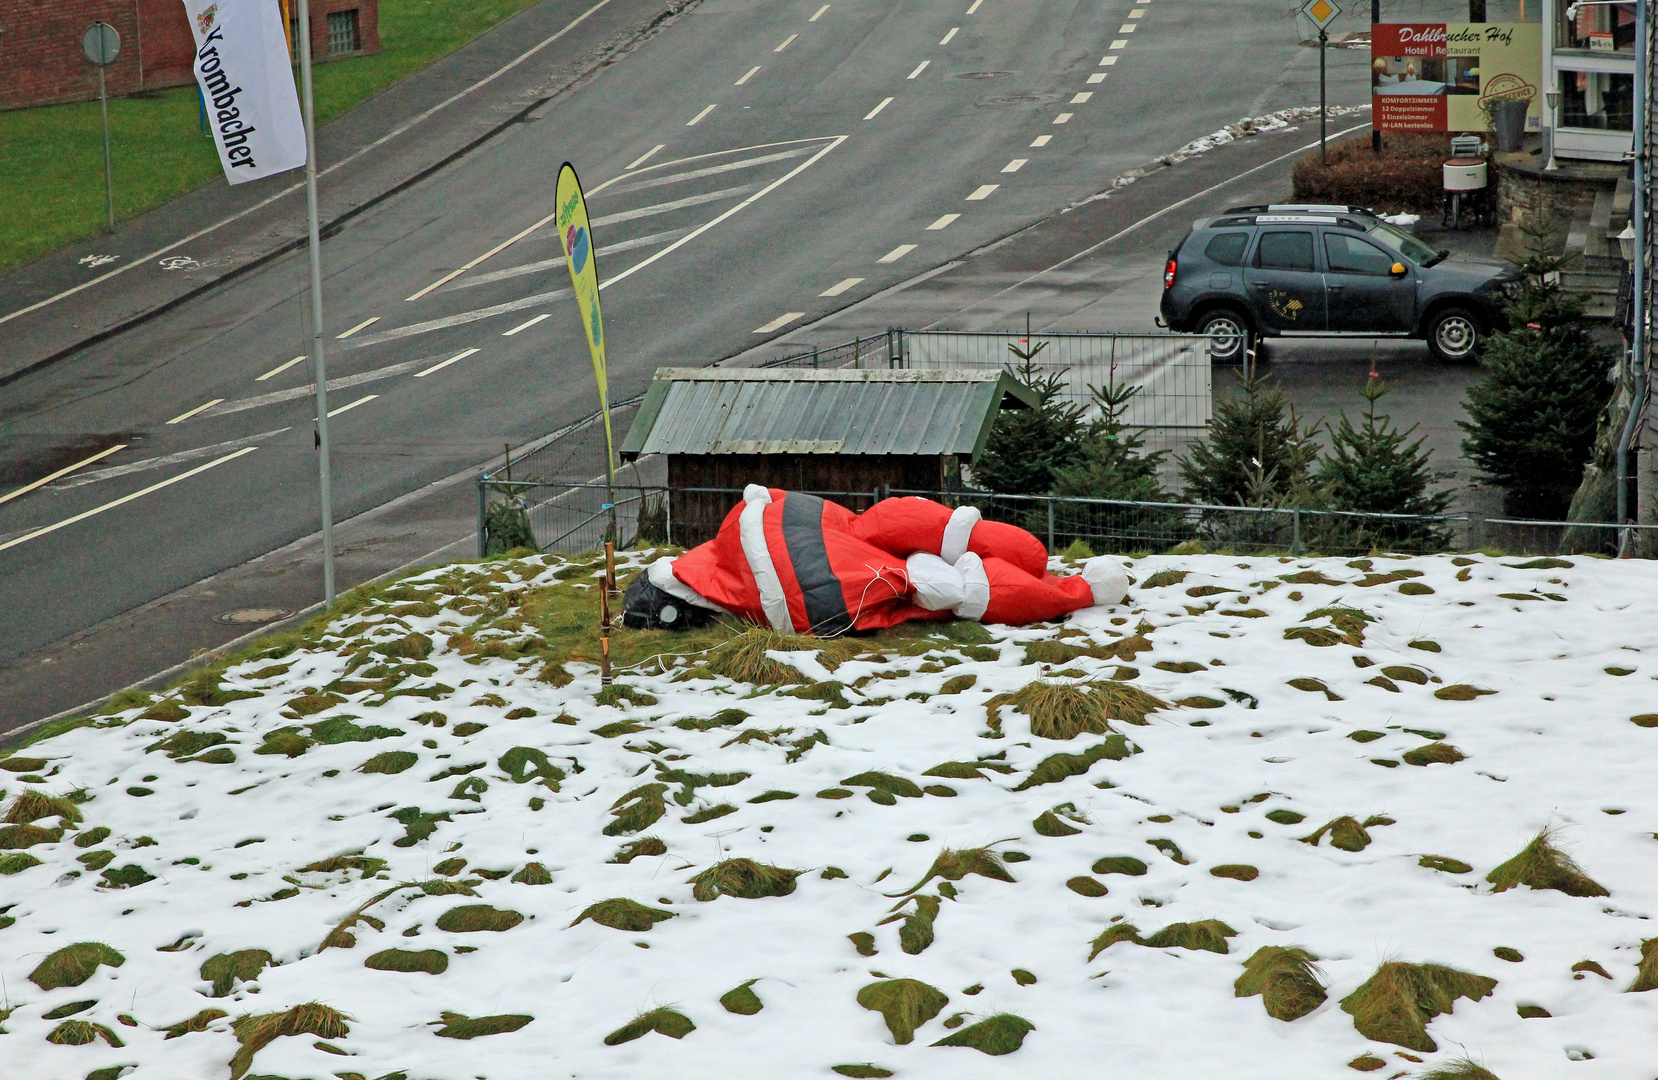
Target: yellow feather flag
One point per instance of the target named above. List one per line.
(577, 238)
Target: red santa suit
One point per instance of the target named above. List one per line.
(801, 564)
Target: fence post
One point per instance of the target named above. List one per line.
(481, 515)
(1050, 525)
(1295, 530)
(1476, 530)
(668, 513)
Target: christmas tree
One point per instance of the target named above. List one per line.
(1111, 462)
(1375, 468)
(1026, 446)
(1532, 418)
(1257, 453)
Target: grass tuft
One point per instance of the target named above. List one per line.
(199, 1022)
(1646, 973)
(1395, 1004)
(743, 878)
(472, 918)
(458, 1026)
(638, 809)
(886, 789)
(431, 961)
(744, 658)
(1208, 935)
(995, 1035)
(32, 805)
(1434, 753)
(73, 964)
(905, 1004)
(1345, 833)
(1444, 863)
(664, 1020)
(633, 849)
(257, 1032)
(953, 864)
(1083, 885)
(1286, 978)
(1057, 767)
(1460, 1069)
(226, 969)
(742, 1000)
(80, 1033)
(390, 762)
(1065, 710)
(1542, 865)
(866, 1070)
(1120, 864)
(1235, 871)
(533, 873)
(1048, 823)
(623, 914)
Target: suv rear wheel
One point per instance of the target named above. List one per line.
(1454, 335)
(1230, 334)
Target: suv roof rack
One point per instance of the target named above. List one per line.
(1301, 208)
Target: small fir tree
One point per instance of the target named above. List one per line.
(1375, 468)
(1532, 419)
(1111, 462)
(1026, 446)
(1257, 453)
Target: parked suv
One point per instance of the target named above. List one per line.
(1270, 271)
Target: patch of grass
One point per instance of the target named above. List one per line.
(1444, 863)
(196, 1023)
(473, 918)
(744, 658)
(32, 805)
(1594, 966)
(1057, 767)
(69, 1009)
(1235, 871)
(905, 1004)
(257, 1032)
(638, 809)
(742, 1000)
(16, 864)
(1086, 886)
(17, 837)
(1171, 849)
(1308, 577)
(458, 1026)
(1000, 1034)
(1287, 978)
(1532, 1012)
(1646, 720)
(916, 933)
(431, 961)
(1164, 578)
(1367, 1063)
(1434, 753)
(1120, 864)
(366, 865)
(1542, 865)
(723, 718)
(874, 1072)
(80, 1033)
(226, 969)
(73, 964)
(1646, 972)
(1048, 823)
(1065, 710)
(1503, 952)
(886, 789)
(709, 813)
(1461, 1068)
(743, 878)
(624, 914)
(864, 942)
(1395, 1004)
(533, 873)
(633, 849)
(953, 864)
(617, 694)
(1208, 935)
(1345, 833)
(1460, 692)
(664, 1021)
(390, 762)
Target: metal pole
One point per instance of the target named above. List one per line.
(103, 107)
(1375, 132)
(604, 612)
(1638, 312)
(320, 369)
(1323, 112)
(482, 517)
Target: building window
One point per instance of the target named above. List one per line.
(342, 31)
(1599, 100)
(1601, 29)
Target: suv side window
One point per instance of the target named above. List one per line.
(1227, 248)
(1285, 251)
(1350, 255)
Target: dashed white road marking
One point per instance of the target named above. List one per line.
(113, 503)
(677, 204)
(896, 253)
(876, 110)
(1126, 28)
(445, 363)
(786, 43)
(352, 405)
(1120, 43)
(1096, 77)
(919, 68)
(840, 286)
(975, 6)
(747, 75)
(982, 192)
(701, 114)
(182, 417)
(818, 14)
(280, 368)
(1042, 140)
(950, 35)
(1082, 97)
(780, 322)
(67, 469)
(360, 326)
(526, 325)
(1015, 165)
(1107, 61)
(1135, 14)
(943, 222)
(1063, 118)
(648, 154)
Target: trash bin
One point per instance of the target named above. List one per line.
(1509, 120)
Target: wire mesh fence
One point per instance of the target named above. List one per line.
(569, 518)
(877, 350)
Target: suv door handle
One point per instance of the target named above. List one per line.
(1335, 288)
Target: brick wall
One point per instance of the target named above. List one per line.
(41, 62)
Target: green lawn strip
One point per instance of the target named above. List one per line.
(52, 171)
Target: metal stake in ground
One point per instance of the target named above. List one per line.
(102, 45)
(319, 362)
(604, 612)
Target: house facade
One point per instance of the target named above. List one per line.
(1589, 60)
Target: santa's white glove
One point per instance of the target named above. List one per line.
(1106, 578)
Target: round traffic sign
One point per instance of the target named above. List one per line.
(101, 43)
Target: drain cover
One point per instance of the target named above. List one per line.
(253, 615)
(984, 75)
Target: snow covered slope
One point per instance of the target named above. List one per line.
(416, 790)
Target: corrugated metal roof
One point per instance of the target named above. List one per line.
(747, 411)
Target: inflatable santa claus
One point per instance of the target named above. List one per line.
(804, 565)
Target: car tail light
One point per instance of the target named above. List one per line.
(1168, 275)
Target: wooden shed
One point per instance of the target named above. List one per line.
(831, 432)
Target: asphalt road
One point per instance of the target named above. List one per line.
(753, 167)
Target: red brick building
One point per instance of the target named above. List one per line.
(41, 62)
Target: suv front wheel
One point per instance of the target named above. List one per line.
(1229, 333)
(1454, 335)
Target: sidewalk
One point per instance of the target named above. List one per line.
(161, 259)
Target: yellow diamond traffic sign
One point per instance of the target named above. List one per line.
(1321, 12)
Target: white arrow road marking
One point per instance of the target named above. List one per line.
(712, 170)
(112, 504)
(558, 263)
(344, 382)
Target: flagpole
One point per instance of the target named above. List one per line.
(320, 365)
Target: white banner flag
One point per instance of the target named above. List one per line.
(243, 70)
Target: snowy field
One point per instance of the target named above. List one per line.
(405, 820)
